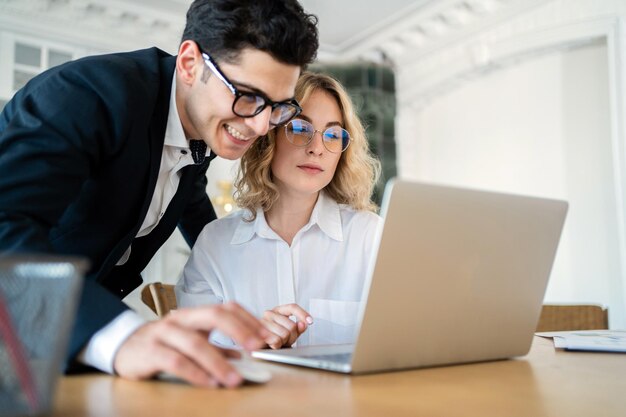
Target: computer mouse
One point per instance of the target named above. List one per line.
(251, 372)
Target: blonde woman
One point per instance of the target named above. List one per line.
(298, 252)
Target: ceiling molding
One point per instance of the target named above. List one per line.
(554, 27)
(408, 32)
(106, 25)
(110, 25)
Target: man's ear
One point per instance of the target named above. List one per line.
(189, 56)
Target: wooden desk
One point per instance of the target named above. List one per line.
(544, 383)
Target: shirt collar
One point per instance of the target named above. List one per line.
(174, 133)
(326, 214)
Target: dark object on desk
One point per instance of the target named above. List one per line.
(572, 317)
(161, 298)
(38, 300)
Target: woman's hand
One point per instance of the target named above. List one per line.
(284, 331)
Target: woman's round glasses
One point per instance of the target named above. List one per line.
(300, 133)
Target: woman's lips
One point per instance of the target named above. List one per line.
(312, 169)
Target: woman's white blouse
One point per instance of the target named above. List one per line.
(323, 270)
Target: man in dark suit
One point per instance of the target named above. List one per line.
(103, 157)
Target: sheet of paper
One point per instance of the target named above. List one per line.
(589, 340)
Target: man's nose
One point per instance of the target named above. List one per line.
(260, 123)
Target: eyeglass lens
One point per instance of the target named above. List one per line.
(300, 133)
(247, 105)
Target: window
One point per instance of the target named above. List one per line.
(30, 60)
(22, 58)
(372, 88)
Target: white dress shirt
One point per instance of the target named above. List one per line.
(323, 270)
(103, 345)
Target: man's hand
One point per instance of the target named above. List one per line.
(178, 344)
(284, 331)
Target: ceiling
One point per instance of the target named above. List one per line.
(346, 23)
(349, 29)
(342, 23)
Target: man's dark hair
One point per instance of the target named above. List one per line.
(279, 27)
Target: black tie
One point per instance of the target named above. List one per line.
(198, 150)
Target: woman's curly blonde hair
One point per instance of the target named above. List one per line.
(357, 171)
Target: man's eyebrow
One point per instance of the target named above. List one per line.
(247, 88)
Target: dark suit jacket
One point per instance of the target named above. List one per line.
(80, 150)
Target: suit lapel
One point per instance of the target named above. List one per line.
(157, 134)
(154, 145)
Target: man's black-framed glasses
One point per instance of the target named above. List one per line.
(247, 104)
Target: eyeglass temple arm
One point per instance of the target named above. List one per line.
(216, 71)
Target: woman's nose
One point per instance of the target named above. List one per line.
(316, 146)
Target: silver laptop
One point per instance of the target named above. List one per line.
(38, 300)
(459, 277)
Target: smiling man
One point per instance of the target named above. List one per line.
(103, 157)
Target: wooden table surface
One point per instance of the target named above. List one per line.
(546, 382)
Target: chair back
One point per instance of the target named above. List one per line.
(572, 317)
(160, 297)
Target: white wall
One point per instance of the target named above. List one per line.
(541, 128)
